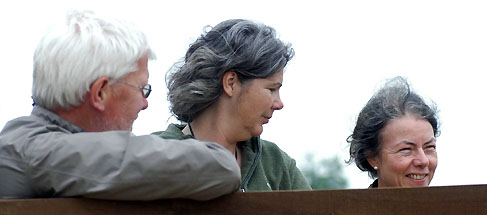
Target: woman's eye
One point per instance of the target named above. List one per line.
(431, 147)
(405, 149)
(272, 90)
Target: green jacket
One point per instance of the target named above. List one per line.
(265, 166)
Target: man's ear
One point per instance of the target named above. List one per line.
(230, 83)
(97, 95)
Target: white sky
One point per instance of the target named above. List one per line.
(344, 50)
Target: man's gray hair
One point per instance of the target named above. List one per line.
(72, 56)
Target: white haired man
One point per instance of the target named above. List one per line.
(90, 82)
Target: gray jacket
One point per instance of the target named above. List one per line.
(43, 155)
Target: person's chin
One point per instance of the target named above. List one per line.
(257, 131)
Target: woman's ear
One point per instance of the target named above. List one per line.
(230, 83)
(97, 95)
(373, 161)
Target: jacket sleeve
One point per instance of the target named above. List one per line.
(121, 166)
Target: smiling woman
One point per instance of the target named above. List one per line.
(226, 89)
(395, 137)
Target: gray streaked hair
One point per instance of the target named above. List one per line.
(247, 48)
(392, 101)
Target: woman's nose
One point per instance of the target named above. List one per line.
(278, 104)
(421, 159)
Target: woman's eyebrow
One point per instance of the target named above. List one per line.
(407, 143)
(414, 144)
(277, 84)
(430, 141)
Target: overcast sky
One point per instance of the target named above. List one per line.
(344, 51)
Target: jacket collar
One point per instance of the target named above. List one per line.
(53, 118)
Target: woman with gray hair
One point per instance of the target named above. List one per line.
(225, 90)
(395, 137)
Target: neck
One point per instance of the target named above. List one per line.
(83, 117)
(213, 127)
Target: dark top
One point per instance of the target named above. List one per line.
(375, 184)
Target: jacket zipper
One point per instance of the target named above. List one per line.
(252, 168)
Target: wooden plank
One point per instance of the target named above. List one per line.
(469, 199)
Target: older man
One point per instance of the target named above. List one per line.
(90, 82)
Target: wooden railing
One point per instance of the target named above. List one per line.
(469, 199)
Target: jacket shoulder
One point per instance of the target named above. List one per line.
(173, 131)
(271, 150)
(280, 165)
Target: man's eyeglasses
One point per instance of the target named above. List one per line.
(146, 89)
